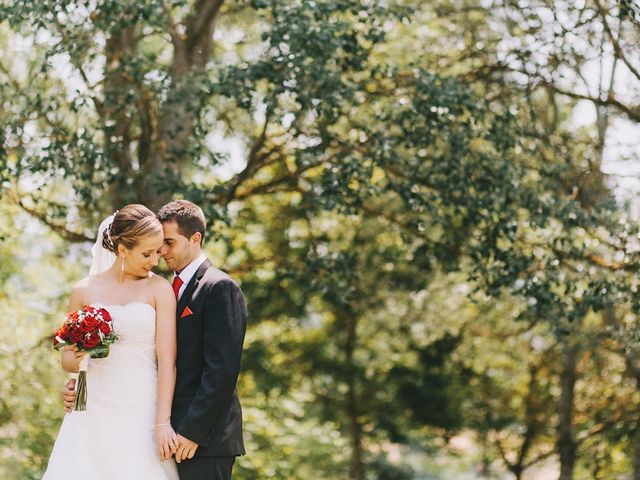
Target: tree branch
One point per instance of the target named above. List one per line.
(203, 16)
(611, 100)
(77, 63)
(615, 43)
(56, 227)
(254, 160)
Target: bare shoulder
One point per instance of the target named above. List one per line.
(82, 287)
(159, 285)
(89, 285)
(84, 283)
(163, 296)
(79, 294)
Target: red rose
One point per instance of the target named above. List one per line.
(76, 335)
(92, 341)
(105, 328)
(89, 324)
(66, 329)
(105, 315)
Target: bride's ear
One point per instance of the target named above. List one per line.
(122, 250)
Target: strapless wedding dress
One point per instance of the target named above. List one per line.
(114, 439)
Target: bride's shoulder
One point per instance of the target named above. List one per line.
(160, 287)
(89, 282)
(158, 283)
(81, 285)
(79, 293)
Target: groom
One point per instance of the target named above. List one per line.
(211, 318)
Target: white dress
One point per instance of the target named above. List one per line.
(114, 439)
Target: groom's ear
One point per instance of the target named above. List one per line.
(196, 238)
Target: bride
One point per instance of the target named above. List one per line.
(125, 432)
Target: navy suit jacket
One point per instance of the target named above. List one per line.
(212, 321)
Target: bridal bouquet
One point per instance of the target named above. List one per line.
(90, 329)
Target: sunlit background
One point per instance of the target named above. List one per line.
(431, 207)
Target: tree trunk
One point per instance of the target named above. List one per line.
(636, 453)
(485, 466)
(357, 462)
(150, 162)
(179, 116)
(519, 466)
(566, 442)
(120, 47)
(610, 320)
(356, 470)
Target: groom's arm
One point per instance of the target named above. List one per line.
(69, 395)
(225, 323)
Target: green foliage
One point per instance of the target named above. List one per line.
(431, 392)
(31, 377)
(417, 225)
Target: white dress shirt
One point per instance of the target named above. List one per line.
(189, 271)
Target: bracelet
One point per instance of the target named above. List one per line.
(162, 424)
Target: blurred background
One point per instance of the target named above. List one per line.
(431, 207)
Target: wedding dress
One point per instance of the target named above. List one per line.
(114, 439)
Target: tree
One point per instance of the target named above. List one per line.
(366, 168)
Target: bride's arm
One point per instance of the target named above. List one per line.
(166, 353)
(70, 358)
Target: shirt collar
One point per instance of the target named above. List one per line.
(190, 270)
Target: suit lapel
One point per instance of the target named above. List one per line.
(191, 287)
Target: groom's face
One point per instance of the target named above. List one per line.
(178, 251)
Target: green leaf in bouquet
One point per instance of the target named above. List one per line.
(101, 351)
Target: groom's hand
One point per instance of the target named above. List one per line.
(186, 448)
(69, 395)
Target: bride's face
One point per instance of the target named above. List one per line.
(144, 256)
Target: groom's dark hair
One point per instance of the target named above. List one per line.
(187, 215)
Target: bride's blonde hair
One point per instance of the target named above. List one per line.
(130, 224)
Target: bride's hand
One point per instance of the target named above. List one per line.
(78, 353)
(167, 441)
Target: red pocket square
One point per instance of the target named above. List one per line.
(186, 312)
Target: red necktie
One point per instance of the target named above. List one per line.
(176, 284)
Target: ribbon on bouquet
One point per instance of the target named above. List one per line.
(80, 405)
